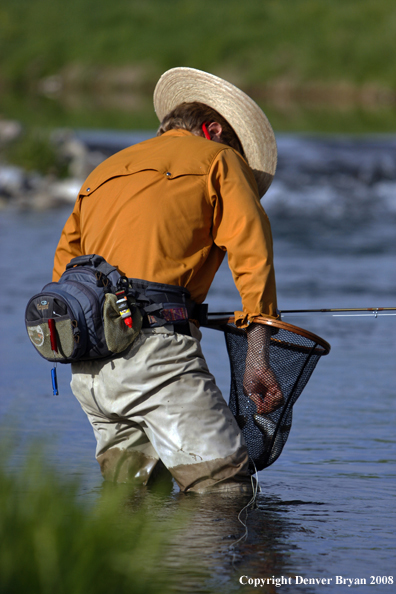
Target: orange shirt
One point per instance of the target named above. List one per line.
(167, 210)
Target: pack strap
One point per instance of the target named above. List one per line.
(97, 262)
(166, 304)
(159, 314)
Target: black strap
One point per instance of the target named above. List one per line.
(94, 260)
(200, 313)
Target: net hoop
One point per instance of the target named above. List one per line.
(219, 323)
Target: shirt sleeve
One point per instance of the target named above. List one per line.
(241, 227)
(69, 245)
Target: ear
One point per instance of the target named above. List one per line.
(215, 130)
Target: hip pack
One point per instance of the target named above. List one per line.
(77, 318)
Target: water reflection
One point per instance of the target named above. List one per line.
(210, 549)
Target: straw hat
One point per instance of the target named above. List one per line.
(252, 127)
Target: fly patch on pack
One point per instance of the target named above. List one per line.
(266, 422)
(47, 318)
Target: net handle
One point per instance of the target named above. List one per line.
(219, 323)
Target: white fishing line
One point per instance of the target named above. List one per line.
(255, 487)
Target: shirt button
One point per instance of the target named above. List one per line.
(168, 174)
(88, 190)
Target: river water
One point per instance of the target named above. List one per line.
(326, 507)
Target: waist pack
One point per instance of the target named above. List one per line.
(77, 318)
(83, 316)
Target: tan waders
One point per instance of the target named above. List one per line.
(159, 404)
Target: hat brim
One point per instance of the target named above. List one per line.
(251, 125)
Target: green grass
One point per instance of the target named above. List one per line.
(52, 541)
(259, 40)
(255, 43)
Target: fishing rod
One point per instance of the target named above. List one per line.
(376, 311)
(338, 311)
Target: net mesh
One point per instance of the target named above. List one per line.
(292, 359)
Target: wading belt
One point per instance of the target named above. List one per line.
(163, 304)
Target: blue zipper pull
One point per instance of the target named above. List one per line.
(54, 382)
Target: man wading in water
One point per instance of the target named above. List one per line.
(166, 211)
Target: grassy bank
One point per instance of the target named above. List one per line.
(53, 541)
(294, 57)
(255, 41)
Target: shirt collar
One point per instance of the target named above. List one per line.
(178, 132)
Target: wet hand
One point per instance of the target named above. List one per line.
(262, 387)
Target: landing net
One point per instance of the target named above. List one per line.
(293, 355)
